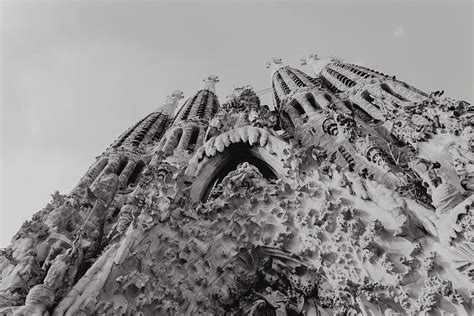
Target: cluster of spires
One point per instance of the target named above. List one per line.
(297, 97)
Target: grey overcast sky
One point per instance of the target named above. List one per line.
(75, 74)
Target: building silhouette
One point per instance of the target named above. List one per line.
(350, 194)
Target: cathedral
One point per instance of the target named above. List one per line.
(351, 194)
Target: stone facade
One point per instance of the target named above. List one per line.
(352, 195)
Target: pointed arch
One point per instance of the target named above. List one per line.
(222, 154)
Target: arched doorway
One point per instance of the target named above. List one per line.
(234, 155)
(210, 170)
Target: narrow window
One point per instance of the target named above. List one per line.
(313, 102)
(287, 122)
(299, 111)
(369, 98)
(193, 139)
(328, 97)
(178, 133)
(122, 164)
(136, 173)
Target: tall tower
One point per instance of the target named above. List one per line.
(129, 154)
(375, 94)
(190, 124)
(300, 97)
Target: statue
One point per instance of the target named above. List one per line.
(463, 158)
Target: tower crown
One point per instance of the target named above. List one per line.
(335, 59)
(274, 64)
(210, 83)
(171, 102)
(316, 63)
(203, 104)
(305, 60)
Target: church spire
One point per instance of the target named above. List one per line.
(190, 124)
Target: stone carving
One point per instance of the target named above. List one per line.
(362, 206)
(210, 82)
(463, 158)
(171, 102)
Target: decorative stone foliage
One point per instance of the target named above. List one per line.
(354, 196)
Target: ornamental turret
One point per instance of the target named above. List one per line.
(190, 124)
(378, 95)
(301, 98)
(287, 80)
(152, 127)
(127, 156)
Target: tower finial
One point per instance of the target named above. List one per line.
(171, 102)
(274, 64)
(305, 60)
(335, 59)
(315, 62)
(210, 83)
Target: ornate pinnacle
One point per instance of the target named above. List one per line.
(315, 62)
(210, 82)
(171, 102)
(305, 60)
(274, 64)
(335, 59)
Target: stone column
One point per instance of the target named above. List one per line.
(171, 141)
(367, 106)
(111, 167)
(184, 141)
(411, 94)
(321, 100)
(126, 172)
(200, 139)
(294, 116)
(90, 175)
(161, 144)
(308, 108)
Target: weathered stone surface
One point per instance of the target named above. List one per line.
(353, 196)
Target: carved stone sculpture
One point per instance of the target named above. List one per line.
(351, 195)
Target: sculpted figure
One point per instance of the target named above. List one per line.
(23, 275)
(37, 302)
(60, 276)
(427, 171)
(64, 218)
(463, 158)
